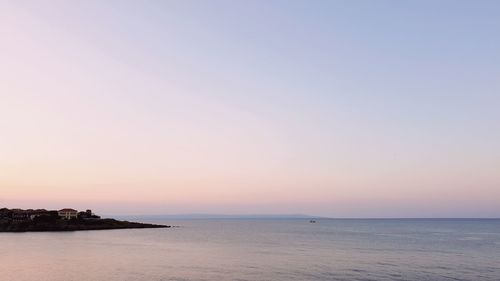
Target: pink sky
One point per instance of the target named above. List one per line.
(130, 112)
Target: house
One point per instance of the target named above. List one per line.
(68, 213)
(39, 212)
(88, 215)
(19, 215)
(5, 213)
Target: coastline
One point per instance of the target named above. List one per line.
(76, 225)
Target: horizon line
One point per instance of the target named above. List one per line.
(285, 216)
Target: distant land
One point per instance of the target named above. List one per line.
(19, 220)
(218, 216)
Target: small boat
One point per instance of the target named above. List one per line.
(312, 221)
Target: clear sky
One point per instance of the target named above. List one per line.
(335, 108)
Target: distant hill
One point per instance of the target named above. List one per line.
(220, 216)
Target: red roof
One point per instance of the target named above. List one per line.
(67, 210)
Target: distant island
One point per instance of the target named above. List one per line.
(19, 220)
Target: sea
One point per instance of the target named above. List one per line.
(261, 249)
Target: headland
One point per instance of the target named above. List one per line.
(19, 220)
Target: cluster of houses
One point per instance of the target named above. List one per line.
(18, 215)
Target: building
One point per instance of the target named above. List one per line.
(88, 215)
(39, 212)
(5, 213)
(68, 213)
(19, 215)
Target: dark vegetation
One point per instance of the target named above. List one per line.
(51, 221)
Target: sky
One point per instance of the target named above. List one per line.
(332, 108)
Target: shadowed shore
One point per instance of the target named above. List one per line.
(73, 225)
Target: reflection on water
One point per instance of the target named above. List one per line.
(260, 250)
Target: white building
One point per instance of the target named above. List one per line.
(68, 213)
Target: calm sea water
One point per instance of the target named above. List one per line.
(260, 250)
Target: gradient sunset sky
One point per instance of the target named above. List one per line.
(333, 108)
